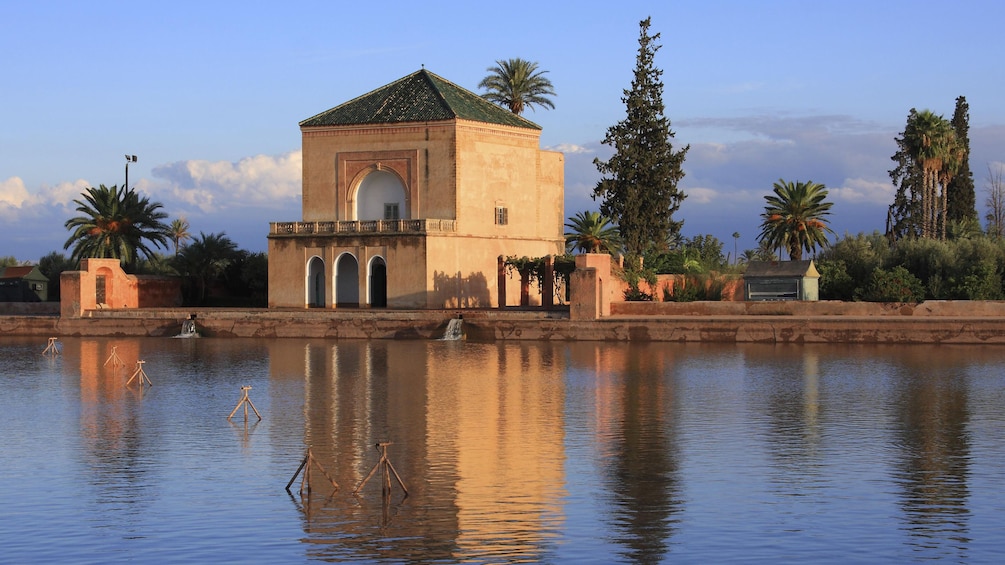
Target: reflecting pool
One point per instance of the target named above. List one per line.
(509, 452)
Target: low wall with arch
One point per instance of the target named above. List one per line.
(102, 284)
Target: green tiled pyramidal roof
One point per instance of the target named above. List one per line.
(419, 97)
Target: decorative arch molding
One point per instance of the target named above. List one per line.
(354, 166)
(382, 186)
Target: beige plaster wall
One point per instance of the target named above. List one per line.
(457, 170)
(503, 166)
(336, 158)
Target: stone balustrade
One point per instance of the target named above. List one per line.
(428, 225)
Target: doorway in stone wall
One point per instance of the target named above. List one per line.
(378, 283)
(346, 281)
(316, 283)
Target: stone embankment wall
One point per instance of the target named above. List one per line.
(947, 322)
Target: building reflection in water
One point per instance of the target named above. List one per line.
(116, 449)
(635, 428)
(477, 432)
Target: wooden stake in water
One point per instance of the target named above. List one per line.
(114, 359)
(139, 373)
(50, 348)
(386, 471)
(246, 401)
(305, 466)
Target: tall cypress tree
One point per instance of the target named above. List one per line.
(638, 189)
(961, 200)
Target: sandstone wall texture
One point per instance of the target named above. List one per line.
(941, 322)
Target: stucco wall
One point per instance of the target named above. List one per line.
(335, 159)
(457, 170)
(78, 289)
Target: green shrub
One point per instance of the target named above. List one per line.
(895, 285)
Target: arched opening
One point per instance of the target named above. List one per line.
(381, 196)
(316, 283)
(378, 283)
(346, 281)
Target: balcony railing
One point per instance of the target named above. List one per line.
(353, 227)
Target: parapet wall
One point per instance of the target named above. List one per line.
(938, 308)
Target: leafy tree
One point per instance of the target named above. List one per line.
(996, 203)
(962, 205)
(794, 220)
(52, 266)
(764, 252)
(835, 282)
(179, 233)
(904, 217)
(205, 260)
(591, 232)
(517, 84)
(639, 185)
(895, 285)
(9, 261)
(116, 223)
(928, 157)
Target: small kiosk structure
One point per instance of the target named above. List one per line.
(781, 280)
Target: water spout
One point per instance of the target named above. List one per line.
(455, 330)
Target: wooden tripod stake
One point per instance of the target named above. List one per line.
(139, 373)
(246, 402)
(50, 348)
(305, 466)
(386, 471)
(114, 359)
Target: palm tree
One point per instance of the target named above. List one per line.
(179, 233)
(205, 259)
(794, 218)
(516, 84)
(931, 143)
(592, 232)
(116, 223)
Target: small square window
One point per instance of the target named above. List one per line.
(502, 216)
(391, 211)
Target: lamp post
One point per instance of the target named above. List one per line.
(129, 158)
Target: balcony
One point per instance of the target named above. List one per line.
(355, 227)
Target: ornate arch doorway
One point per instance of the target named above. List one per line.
(378, 283)
(346, 281)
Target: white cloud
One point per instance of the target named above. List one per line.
(702, 195)
(13, 193)
(16, 201)
(863, 191)
(258, 181)
(569, 148)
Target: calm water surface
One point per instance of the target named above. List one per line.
(510, 452)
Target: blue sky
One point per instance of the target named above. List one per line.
(208, 95)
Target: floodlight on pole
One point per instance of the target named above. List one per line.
(129, 158)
